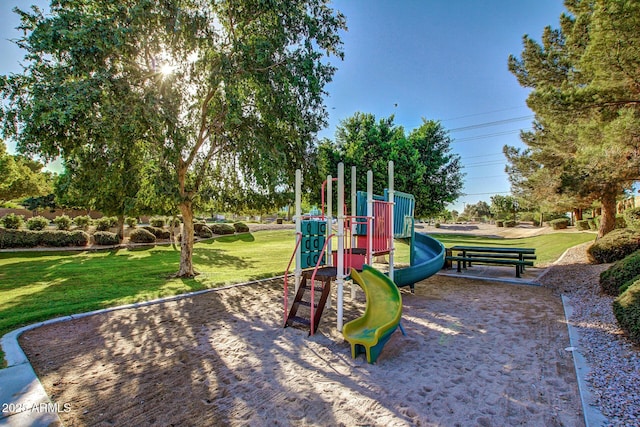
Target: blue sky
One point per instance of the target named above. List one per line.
(438, 59)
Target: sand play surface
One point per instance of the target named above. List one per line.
(476, 353)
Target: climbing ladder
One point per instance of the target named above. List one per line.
(310, 285)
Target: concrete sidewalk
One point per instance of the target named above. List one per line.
(22, 396)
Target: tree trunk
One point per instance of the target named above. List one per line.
(608, 220)
(186, 244)
(121, 227)
(577, 212)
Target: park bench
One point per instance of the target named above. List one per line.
(466, 255)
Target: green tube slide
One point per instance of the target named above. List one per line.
(427, 258)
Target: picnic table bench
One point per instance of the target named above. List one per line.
(466, 255)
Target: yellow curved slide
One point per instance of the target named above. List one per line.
(369, 333)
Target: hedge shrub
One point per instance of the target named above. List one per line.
(175, 222)
(197, 226)
(627, 311)
(141, 235)
(62, 238)
(131, 222)
(632, 216)
(30, 239)
(12, 221)
(63, 222)
(499, 223)
(510, 223)
(106, 238)
(159, 233)
(11, 238)
(560, 223)
(582, 225)
(204, 232)
(223, 228)
(157, 222)
(82, 221)
(614, 246)
(620, 222)
(103, 224)
(620, 274)
(592, 224)
(241, 227)
(37, 223)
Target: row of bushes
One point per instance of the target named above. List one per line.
(622, 280)
(15, 238)
(30, 238)
(62, 222)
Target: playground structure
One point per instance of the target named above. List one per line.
(368, 232)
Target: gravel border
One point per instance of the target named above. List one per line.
(614, 377)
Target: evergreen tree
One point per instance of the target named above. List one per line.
(585, 77)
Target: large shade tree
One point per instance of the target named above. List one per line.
(424, 164)
(231, 89)
(585, 77)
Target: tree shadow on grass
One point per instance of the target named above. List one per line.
(231, 238)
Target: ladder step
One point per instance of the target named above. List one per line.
(316, 288)
(301, 320)
(307, 303)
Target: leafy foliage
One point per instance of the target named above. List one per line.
(584, 76)
(82, 221)
(140, 235)
(621, 272)
(423, 163)
(204, 232)
(582, 225)
(245, 90)
(222, 229)
(614, 246)
(241, 227)
(158, 232)
(12, 221)
(103, 224)
(63, 222)
(632, 217)
(21, 177)
(503, 206)
(30, 239)
(37, 223)
(106, 238)
(560, 223)
(627, 311)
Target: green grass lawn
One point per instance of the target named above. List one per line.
(36, 285)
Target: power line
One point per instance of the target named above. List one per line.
(488, 135)
(483, 155)
(495, 123)
(480, 164)
(484, 177)
(484, 194)
(482, 114)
